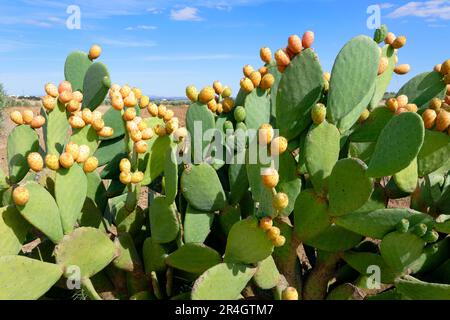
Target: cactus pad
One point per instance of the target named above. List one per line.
(370, 130)
(267, 275)
(423, 87)
(193, 258)
(415, 289)
(199, 114)
(154, 162)
(435, 152)
(96, 85)
(56, 129)
(154, 255)
(75, 68)
(384, 79)
(13, 231)
(406, 180)
(197, 225)
(164, 222)
(257, 107)
(171, 174)
(86, 136)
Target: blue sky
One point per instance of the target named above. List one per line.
(163, 46)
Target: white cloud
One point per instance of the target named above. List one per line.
(125, 43)
(386, 5)
(185, 14)
(439, 9)
(141, 27)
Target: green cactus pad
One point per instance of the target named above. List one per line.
(197, 225)
(300, 88)
(310, 215)
(354, 72)
(70, 193)
(443, 224)
(42, 212)
(113, 119)
(435, 152)
(384, 79)
(224, 281)
(22, 278)
(21, 142)
(128, 259)
(378, 223)
(56, 128)
(370, 130)
(96, 190)
(380, 34)
(193, 258)
(289, 183)
(202, 188)
(171, 174)
(348, 187)
(361, 261)
(86, 136)
(259, 192)
(432, 257)
(400, 250)
(164, 222)
(154, 161)
(406, 180)
(346, 291)
(130, 222)
(376, 201)
(267, 275)
(273, 70)
(335, 239)
(154, 255)
(257, 106)
(322, 148)
(361, 150)
(13, 231)
(247, 243)
(237, 175)
(399, 143)
(109, 149)
(200, 114)
(415, 289)
(87, 248)
(424, 87)
(228, 217)
(96, 85)
(75, 68)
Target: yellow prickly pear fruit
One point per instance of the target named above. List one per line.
(83, 153)
(141, 147)
(98, 124)
(402, 69)
(16, 117)
(117, 102)
(308, 39)
(392, 104)
(279, 241)
(125, 165)
(390, 38)
(212, 105)
(382, 66)
(137, 177)
(289, 293)
(129, 114)
(96, 115)
(270, 178)
(263, 71)
(411, 107)
(247, 85)
(218, 87)
(136, 136)
(402, 101)
(143, 102)
(364, 116)
(442, 120)
(279, 146)
(37, 122)
(399, 42)
(192, 93)
(125, 178)
(447, 79)
(180, 134)
(265, 134)
(162, 110)
(142, 125)
(152, 109)
(21, 196)
(77, 96)
(94, 52)
(66, 160)
(52, 162)
(318, 113)
(273, 233)
(86, 115)
(429, 118)
(255, 77)
(137, 93)
(51, 90)
(327, 76)
(130, 101)
(172, 126)
(206, 95)
(160, 131)
(65, 97)
(247, 70)
(282, 58)
(219, 108)
(106, 132)
(49, 102)
(267, 81)
(445, 68)
(65, 86)
(266, 55)
(132, 126)
(115, 88)
(227, 105)
(73, 106)
(295, 44)
(280, 201)
(90, 165)
(435, 104)
(147, 134)
(27, 116)
(226, 93)
(73, 149)
(266, 223)
(168, 115)
(401, 110)
(125, 91)
(35, 162)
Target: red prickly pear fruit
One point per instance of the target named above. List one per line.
(98, 124)
(77, 96)
(125, 178)
(144, 102)
(66, 160)
(52, 162)
(295, 44)
(141, 147)
(399, 42)
(247, 70)
(51, 90)
(442, 120)
(265, 134)
(73, 106)
(206, 95)
(90, 165)
(73, 149)
(364, 116)
(152, 109)
(412, 107)
(435, 104)
(266, 55)
(226, 93)
(279, 146)
(35, 162)
(267, 81)
(270, 178)
(247, 85)
(27, 116)
(218, 88)
(273, 233)
(137, 177)
(37, 122)
(266, 223)
(192, 93)
(429, 118)
(21, 196)
(65, 86)
(16, 117)
(49, 102)
(402, 101)
(318, 113)
(279, 241)
(129, 114)
(106, 132)
(125, 165)
(289, 293)
(392, 104)
(83, 153)
(445, 69)
(255, 77)
(65, 97)
(402, 69)
(390, 38)
(280, 201)
(308, 39)
(137, 93)
(382, 66)
(94, 52)
(282, 58)
(227, 105)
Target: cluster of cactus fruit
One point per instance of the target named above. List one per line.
(319, 225)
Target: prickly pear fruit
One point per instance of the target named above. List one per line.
(180, 134)
(247, 85)
(282, 58)
(308, 39)
(402, 69)
(270, 178)
(83, 154)
(73, 106)
(402, 101)
(429, 118)
(226, 93)
(206, 95)
(212, 105)
(65, 86)
(280, 201)
(147, 134)
(65, 97)
(35, 162)
(66, 160)
(162, 110)
(172, 125)
(392, 104)
(73, 149)
(266, 223)
(117, 102)
(265, 134)
(48, 102)
(382, 66)
(364, 116)
(435, 104)
(219, 108)
(130, 101)
(94, 52)
(247, 70)
(445, 68)
(125, 91)
(227, 105)
(437, 68)
(295, 44)
(255, 77)
(129, 114)
(192, 93)
(399, 42)
(442, 120)
(279, 241)
(51, 90)
(137, 93)
(447, 79)
(76, 122)
(98, 124)
(289, 293)
(137, 177)
(21, 196)
(240, 114)
(318, 113)
(141, 147)
(90, 165)
(168, 115)
(228, 126)
(218, 87)
(125, 165)
(420, 229)
(77, 96)
(125, 178)
(266, 55)
(136, 135)
(403, 226)
(52, 162)
(263, 71)
(273, 233)
(411, 107)
(153, 109)
(143, 102)
(278, 146)
(16, 117)
(106, 132)
(27, 116)
(390, 38)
